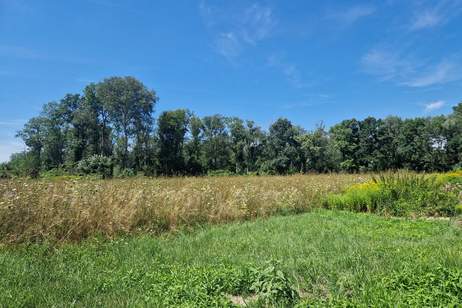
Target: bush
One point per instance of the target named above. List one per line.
(402, 194)
(124, 173)
(96, 165)
(25, 164)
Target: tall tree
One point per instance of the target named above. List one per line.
(33, 134)
(172, 128)
(193, 146)
(319, 153)
(130, 106)
(283, 153)
(216, 146)
(346, 137)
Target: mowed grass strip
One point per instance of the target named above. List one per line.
(329, 257)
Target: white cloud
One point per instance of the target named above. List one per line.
(234, 31)
(352, 14)
(410, 71)
(438, 74)
(387, 65)
(432, 106)
(257, 23)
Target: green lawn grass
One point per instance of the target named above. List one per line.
(328, 257)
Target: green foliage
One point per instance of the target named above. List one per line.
(54, 173)
(25, 164)
(114, 118)
(216, 144)
(402, 194)
(96, 165)
(172, 128)
(318, 152)
(129, 106)
(272, 286)
(436, 286)
(282, 149)
(124, 173)
(459, 209)
(330, 258)
(5, 172)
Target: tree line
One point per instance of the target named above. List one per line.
(109, 129)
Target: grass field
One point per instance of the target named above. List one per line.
(72, 209)
(327, 257)
(303, 240)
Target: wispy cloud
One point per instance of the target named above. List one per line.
(426, 19)
(410, 71)
(386, 65)
(352, 14)
(228, 45)
(289, 70)
(235, 31)
(440, 13)
(435, 105)
(257, 23)
(440, 73)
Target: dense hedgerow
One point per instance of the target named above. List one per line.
(403, 194)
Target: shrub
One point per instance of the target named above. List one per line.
(401, 194)
(124, 173)
(96, 164)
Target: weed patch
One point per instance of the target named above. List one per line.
(402, 194)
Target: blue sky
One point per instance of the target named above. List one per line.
(309, 61)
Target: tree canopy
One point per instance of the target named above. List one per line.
(110, 128)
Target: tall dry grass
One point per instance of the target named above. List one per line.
(59, 210)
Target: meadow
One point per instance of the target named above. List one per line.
(321, 258)
(72, 208)
(304, 240)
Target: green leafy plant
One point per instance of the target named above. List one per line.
(272, 285)
(429, 288)
(96, 164)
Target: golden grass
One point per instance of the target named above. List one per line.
(60, 210)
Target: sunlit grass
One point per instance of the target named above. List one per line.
(74, 209)
(340, 258)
